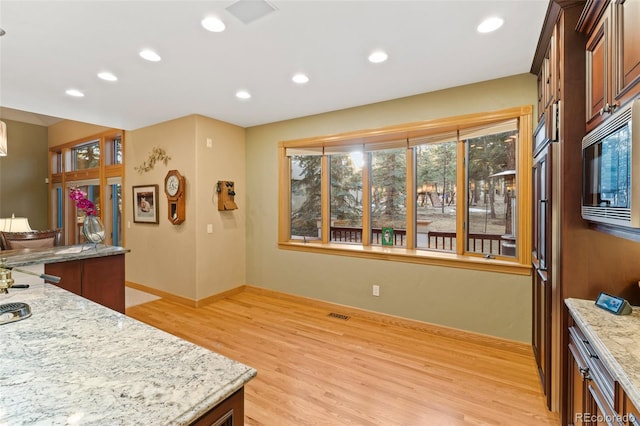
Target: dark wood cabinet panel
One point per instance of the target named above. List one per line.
(627, 49)
(70, 274)
(103, 281)
(591, 387)
(229, 412)
(599, 73)
(630, 413)
(100, 279)
(613, 59)
(541, 330)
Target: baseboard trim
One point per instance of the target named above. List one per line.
(185, 300)
(512, 346)
(378, 317)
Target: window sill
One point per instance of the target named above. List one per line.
(423, 257)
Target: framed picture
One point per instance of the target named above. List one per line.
(145, 204)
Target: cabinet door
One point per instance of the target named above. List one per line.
(631, 414)
(541, 208)
(541, 338)
(627, 49)
(70, 274)
(576, 387)
(103, 281)
(599, 72)
(598, 410)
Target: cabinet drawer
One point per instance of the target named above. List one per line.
(596, 369)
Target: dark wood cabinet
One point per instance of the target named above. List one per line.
(229, 412)
(541, 250)
(591, 387)
(579, 261)
(598, 53)
(100, 279)
(613, 57)
(626, 18)
(629, 412)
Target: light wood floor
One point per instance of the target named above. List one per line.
(315, 369)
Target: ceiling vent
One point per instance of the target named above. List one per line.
(248, 11)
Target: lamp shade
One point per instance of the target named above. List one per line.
(3, 139)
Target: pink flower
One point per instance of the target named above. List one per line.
(82, 202)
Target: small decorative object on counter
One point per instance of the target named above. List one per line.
(93, 230)
(92, 227)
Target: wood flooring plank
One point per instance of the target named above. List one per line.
(371, 369)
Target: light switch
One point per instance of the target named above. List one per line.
(209, 142)
(209, 228)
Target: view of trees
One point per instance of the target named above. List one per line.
(490, 161)
(388, 188)
(306, 201)
(87, 156)
(346, 190)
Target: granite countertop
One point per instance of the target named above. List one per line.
(24, 257)
(616, 338)
(74, 362)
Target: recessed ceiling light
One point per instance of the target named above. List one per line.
(300, 78)
(150, 55)
(107, 76)
(490, 24)
(378, 56)
(75, 93)
(243, 94)
(213, 24)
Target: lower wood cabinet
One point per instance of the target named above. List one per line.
(100, 279)
(593, 396)
(229, 412)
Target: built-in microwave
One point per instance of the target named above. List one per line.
(611, 169)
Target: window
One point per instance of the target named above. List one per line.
(78, 164)
(442, 191)
(388, 209)
(113, 150)
(346, 195)
(436, 185)
(86, 156)
(305, 196)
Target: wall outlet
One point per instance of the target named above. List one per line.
(375, 290)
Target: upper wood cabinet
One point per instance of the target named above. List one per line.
(626, 16)
(548, 78)
(612, 57)
(598, 64)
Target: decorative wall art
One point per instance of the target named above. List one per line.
(156, 155)
(145, 204)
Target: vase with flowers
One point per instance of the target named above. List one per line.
(92, 227)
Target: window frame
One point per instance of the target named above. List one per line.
(63, 175)
(520, 264)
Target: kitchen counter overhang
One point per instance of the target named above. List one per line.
(76, 362)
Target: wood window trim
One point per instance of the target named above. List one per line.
(66, 178)
(520, 264)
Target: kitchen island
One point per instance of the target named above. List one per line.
(92, 271)
(74, 362)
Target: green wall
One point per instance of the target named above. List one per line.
(484, 302)
(23, 171)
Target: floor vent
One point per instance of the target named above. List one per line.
(339, 316)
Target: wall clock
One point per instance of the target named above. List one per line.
(174, 187)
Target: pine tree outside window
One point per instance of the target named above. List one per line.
(444, 191)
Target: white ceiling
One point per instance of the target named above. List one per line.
(51, 46)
